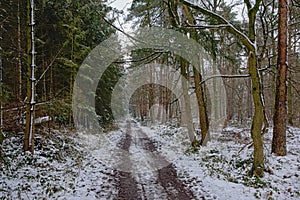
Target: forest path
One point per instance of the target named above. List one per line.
(158, 180)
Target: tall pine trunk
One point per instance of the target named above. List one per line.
(280, 115)
(1, 94)
(19, 81)
(19, 95)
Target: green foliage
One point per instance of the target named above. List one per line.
(194, 148)
(191, 150)
(59, 111)
(55, 149)
(227, 169)
(243, 163)
(5, 95)
(103, 94)
(146, 11)
(66, 31)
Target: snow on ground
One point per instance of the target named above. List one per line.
(67, 165)
(61, 168)
(222, 166)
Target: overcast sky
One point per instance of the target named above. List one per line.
(120, 4)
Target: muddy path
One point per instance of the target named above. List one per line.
(154, 182)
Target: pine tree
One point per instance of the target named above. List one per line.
(280, 115)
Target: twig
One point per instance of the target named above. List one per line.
(250, 145)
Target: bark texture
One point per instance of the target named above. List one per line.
(280, 114)
(29, 131)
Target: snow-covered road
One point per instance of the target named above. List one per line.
(148, 182)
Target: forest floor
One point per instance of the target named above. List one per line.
(138, 162)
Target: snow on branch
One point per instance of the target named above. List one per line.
(218, 26)
(226, 76)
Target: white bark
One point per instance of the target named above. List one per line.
(32, 78)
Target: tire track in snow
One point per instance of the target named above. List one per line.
(127, 185)
(145, 181)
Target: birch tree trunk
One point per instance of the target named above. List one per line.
(280, 115)
(29, 131)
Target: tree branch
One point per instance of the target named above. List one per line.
(225, 76)
(49, 66)
(231, 29)
(256, 6)
(219, 26)
(248, 3)
(154, 55)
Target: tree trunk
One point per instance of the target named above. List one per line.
(19, 80)
(1, 93)
(203, 118)
(280, 115)
(29, 132)
(199, 90)
(19, 95)
(258, 118)
(151, 97)
(187, 102)
(292, 62)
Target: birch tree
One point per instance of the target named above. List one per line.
(29, 131)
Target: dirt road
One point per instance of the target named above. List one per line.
(152, 183)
